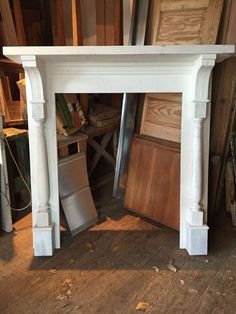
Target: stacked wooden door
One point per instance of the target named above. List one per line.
(153, 184)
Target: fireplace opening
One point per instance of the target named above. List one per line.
(108, 160)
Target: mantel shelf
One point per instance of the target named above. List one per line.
(75, 53)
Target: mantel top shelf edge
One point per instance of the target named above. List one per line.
(14, 53)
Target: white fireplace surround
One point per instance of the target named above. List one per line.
(119, 69)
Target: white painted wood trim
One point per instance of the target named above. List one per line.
(177, 69)
(42, 227)
(17, 52)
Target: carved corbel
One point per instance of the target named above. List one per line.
(203, 70)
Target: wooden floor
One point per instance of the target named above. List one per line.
(109, 269)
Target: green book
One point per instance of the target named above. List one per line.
(61, 113)
(64, 110)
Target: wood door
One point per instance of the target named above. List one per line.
(153, 185)
(184, 21)
(162, 116)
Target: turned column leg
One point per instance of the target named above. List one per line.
(42, 178)
(197, 231)
(196, 214)
(43, 229)
(43, 240)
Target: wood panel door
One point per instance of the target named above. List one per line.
(153, 185)
(184, 21)
(161, 116)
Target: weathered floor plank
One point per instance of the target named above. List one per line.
(109, 269)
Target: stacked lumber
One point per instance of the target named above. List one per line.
(21, 25)
(86, 22)
(103, 115)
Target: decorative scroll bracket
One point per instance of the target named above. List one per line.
(197, 231)
(42, 228)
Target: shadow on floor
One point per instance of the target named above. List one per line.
(128, 242)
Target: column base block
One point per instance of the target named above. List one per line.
(43, 219)
(43, 241)
(196, 218)
(197, 239)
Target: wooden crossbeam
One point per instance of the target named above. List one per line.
(100, 151)
(105, 141)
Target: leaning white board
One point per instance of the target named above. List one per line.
(75, 194)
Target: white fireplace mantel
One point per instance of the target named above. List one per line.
(119, 69)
